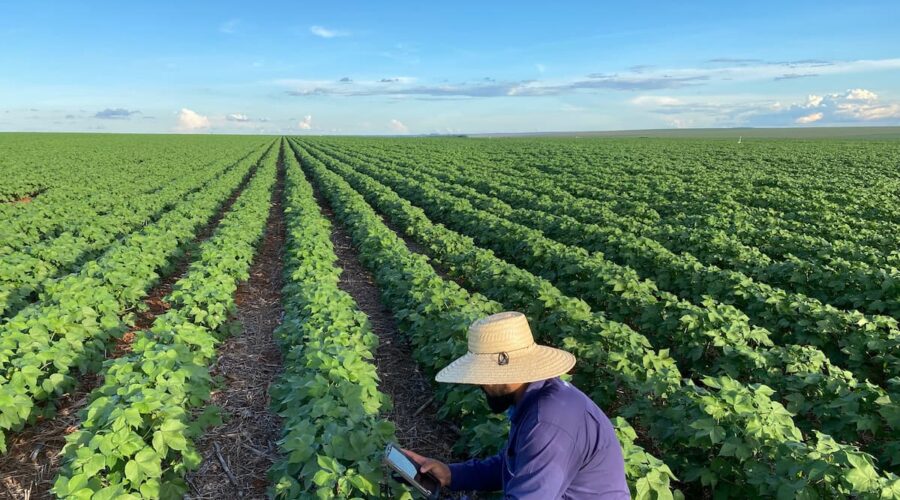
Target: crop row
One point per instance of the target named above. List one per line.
(846, 274)
(792, 201)
(707, 342)
(435, 315)
(44, 346)
(136, 435)
(23, 273)
(705, 339)
(86, 179)
(843, 266)
(328, 394)
(843, 283)
(868, 345)
(835, 272)
(710, 434)
(794, 318)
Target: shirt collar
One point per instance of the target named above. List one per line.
(527, 399)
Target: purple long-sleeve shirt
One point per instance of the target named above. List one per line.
(561, 445)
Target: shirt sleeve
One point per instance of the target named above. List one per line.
(541, 464)
(478, 475)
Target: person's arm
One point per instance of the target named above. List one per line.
(542, 464)
(478, 475)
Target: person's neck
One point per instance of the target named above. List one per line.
(520, 392)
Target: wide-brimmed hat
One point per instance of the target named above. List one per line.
(502, 351)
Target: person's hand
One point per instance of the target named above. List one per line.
(438, 469)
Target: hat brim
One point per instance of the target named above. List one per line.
(540, 363)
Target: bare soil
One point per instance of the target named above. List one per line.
(25, 199)
(238, 454)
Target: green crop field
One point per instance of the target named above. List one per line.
(733, 306)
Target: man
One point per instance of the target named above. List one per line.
(560, 444)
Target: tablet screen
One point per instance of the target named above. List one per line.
(402, 462)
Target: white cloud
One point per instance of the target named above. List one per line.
(858, 104)
(810, 118)
(229, 27)
(656, 100)
(398, 126)
(813, 101)
(190, 120)
(850, 106)
(868, 112)
(640, 79)
(761, 70)
(861, 95)
(324, 32)
(680, 122)
(237, 117)
(305, 123)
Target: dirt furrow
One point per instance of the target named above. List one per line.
(414, 409)
(238, 454)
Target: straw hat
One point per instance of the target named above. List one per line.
(502, 351)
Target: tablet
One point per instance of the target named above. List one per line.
(426, 484)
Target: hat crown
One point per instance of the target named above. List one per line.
(501, 332)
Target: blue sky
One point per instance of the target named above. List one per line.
(419, 67)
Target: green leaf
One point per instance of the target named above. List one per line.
(133, 472)
(329, 464)
(150, 489)
(94, 465)
(172, 432)
(323, 477)
(149, 463)
(133, 418)
(362, 484)
(159, 443)
(110, 493)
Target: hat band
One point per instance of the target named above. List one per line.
(504, 357)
